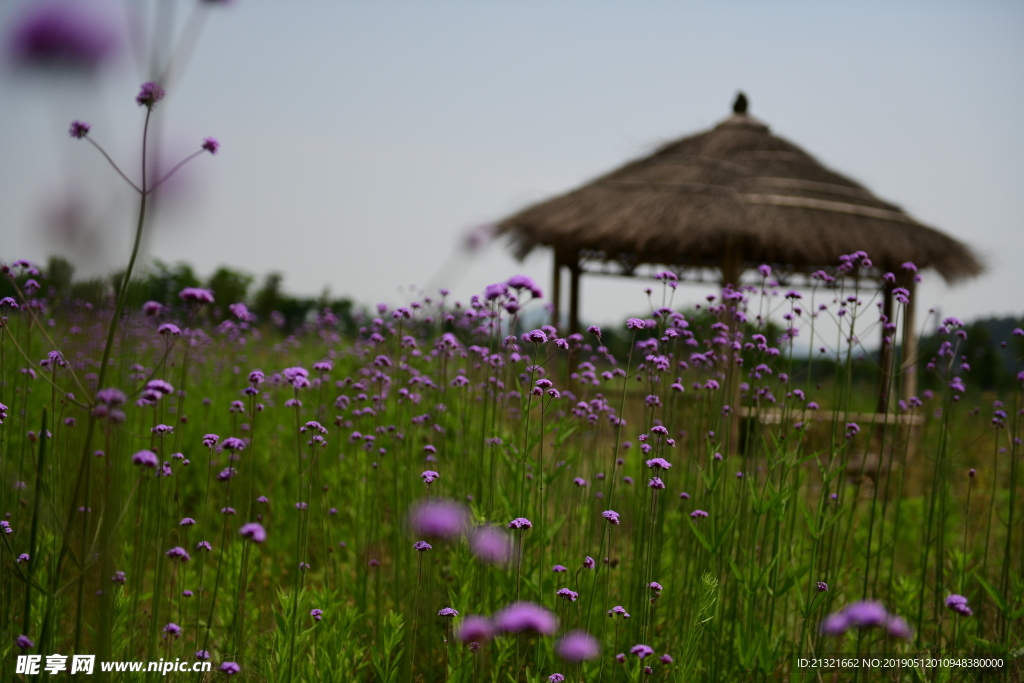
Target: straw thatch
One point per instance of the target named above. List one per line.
(735, 187)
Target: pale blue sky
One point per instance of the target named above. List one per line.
(360, 140)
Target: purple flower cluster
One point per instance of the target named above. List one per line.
(865, 614)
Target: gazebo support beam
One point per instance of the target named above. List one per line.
(886, 353)
(909, 365)
(732, 270)
(556, 289)
(574, 296)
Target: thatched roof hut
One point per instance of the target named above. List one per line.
(730, 198)
(736, 186)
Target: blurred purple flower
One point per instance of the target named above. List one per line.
(254, 532)
(641, 651)
(491, 545)
(150, 93)
(145, 459)
(79, 129)
(68, 35)
(958, 604)
(438, 519)
(475, 630)
(578, 646)
(520, 617)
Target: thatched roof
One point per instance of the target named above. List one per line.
(734, 186)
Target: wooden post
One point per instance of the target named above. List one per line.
(885, 352)
(574, 295)
(556, 289)
(909, 365)
(732, 269)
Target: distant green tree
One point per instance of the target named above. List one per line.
(229, 287)
(268, 298)
(160, 282)
(59, 274)
(95, 291)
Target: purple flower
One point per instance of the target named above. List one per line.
(211, 145)
(317, 614)
(864, 614)
(822, 587)
(684, 495)
(254, 532)
(233, 443)
(204, 545)
(178, 553)
(958, 604)
(145, 459)
(79, 129)
(119, 577)
(520, 523)
(196, 295)
(611, 515)
(536, 336)
(438, 519)
(556, 678)
(149, 94)
(447, 612)
(230, 668)
(665, 659)
(67, 35)
(659, 463)
(655, 586)
(520, 617)
(641, 651)
(23, 642)
(202, 655)
(429, 476)
(187, 593)
(588, 562)
(23, 558)
(422, 546)
(567, 594)
(559, 569)
(172, 629)
(656, 483)
(491, 545)
(475, 630)
(697, 514)
(186, 521)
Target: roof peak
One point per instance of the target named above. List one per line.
(741, 104)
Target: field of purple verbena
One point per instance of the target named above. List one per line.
(451, 497)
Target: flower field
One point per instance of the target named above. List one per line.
(448, 495)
